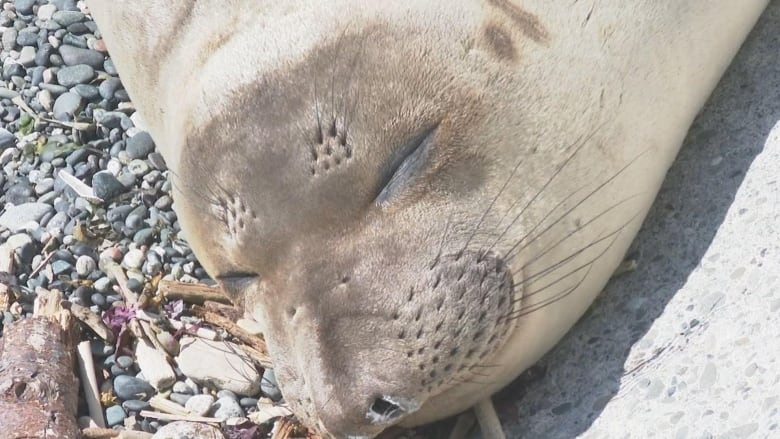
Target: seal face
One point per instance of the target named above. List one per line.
(416, 200)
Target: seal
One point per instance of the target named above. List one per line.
(416, 199)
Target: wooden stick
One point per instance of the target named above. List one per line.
(283, 429)
(89, 383)
(113, 269)
(463, 425)
(488, 420)
(92, 320)
(7, 267)
(169, 417)
(233, 329)
(191, 293)
(168, 406)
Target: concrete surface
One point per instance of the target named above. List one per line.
(688, 345)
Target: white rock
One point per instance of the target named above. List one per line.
(46, 11)
(218, 363)
(199, 405)
(154, 366)
(249, 326)
(188, 430)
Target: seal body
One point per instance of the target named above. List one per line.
(416, 199)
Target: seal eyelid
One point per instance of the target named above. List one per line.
(236, 280)
(406, 164)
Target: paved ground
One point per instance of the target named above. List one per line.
(687, 346)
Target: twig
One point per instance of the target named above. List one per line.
(89, 382)
(169, 417)
(113, 269)
(206, 333)
(191, 293)
(284, 428)
(233, 329)
(92, 320)
(7, 267)
(168, 406)
(19, 101)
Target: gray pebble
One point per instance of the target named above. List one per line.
(27, 37)
(9, 38)
(248, 403)
(102, 285)
(134, 259)
(44, 186)
(66, 18)
(179, 398)
(72, 56)
(227, 407)
(200, 405)
(27, 56)
(24, 6)
(128, 387)
(61, 267)
(7, 139)
(98, 299)
(67, 106)
(135, 220)
(182, 387)
(124, 361)
(135, 405)
(106, 186)
(86, 91)
(72, 75)
(85, 265)
(108, 87)
(115, 415)
(138, 167)
(65, 5)
(16, 217)
(140, 145)
(269, 387)
(45, 12)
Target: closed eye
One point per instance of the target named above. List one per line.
(236, 282)
(406, 165)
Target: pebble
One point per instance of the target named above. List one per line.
(181, 387)
(135, 405)
(115, 415)
(200, 405)
(269, 386)
(106, 186)
(66, 106)
(129, 387)
(188, 430)
(102, 285)
(72, 75)
(73, 56)
(124, 361)
(24, 6)
(7, 139)
(154, 366)
(227, 407)
(17, 217)
(179, 398)
(27, 56)
(134, 259)
(45, 12)
(225, 370)
(66, 18)
(85, 265)
(140, 145)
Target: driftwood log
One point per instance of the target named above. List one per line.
(38, 390)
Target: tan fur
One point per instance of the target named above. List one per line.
(549, 127)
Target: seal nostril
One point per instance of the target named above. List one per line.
(386, 409)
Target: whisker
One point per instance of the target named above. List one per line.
(565, 214)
